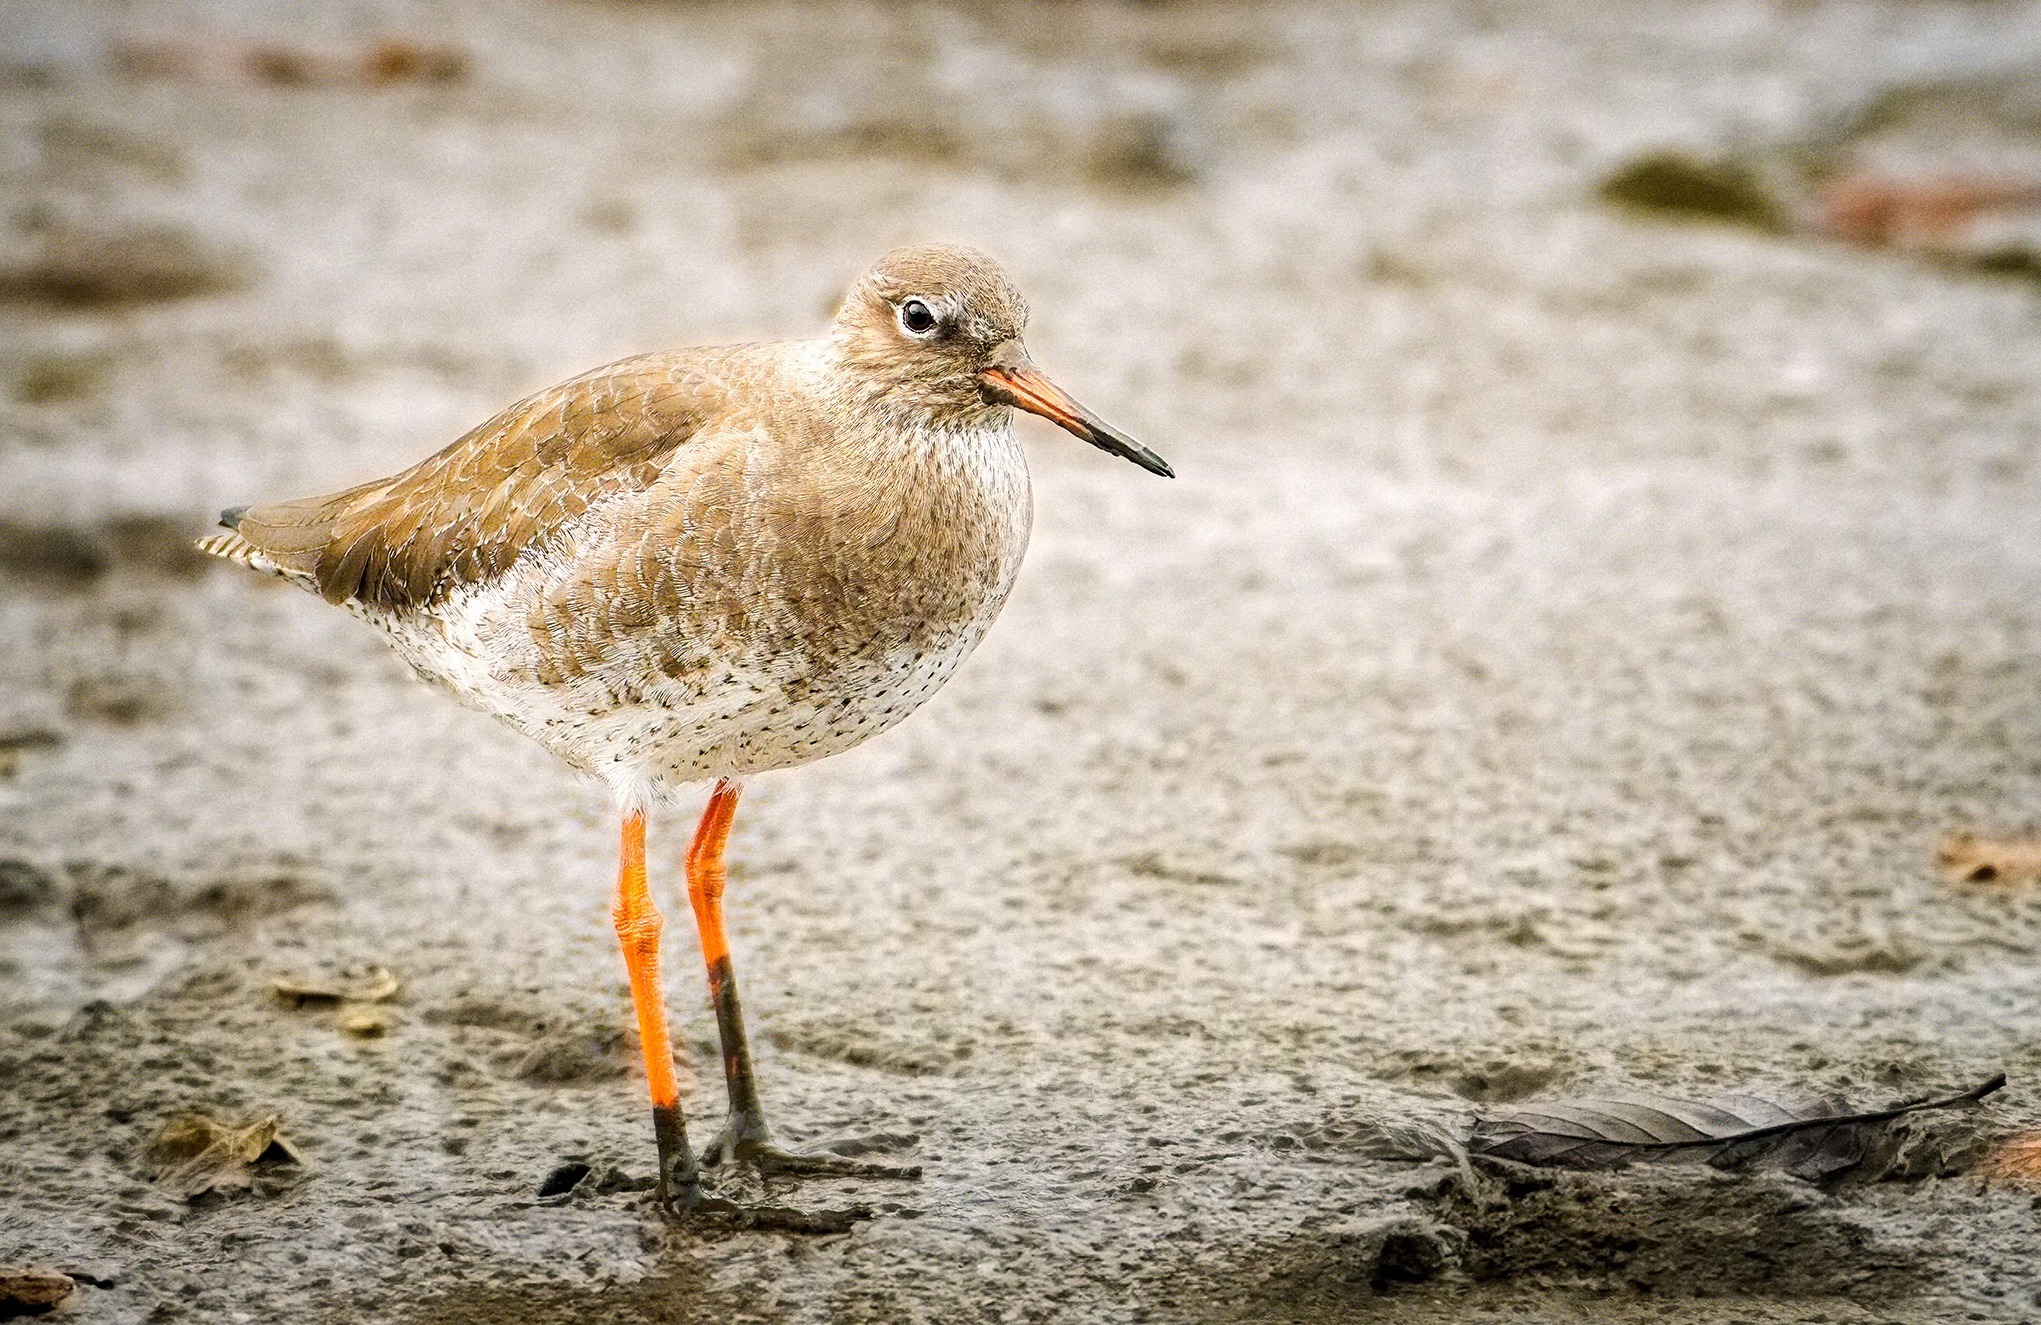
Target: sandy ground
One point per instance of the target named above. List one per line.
(1566, 643)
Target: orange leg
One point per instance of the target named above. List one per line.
(745, 1139)
(706, 878)
(680, 1179)
(638, 925)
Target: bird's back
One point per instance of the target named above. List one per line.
(677, 566)
(467, 513)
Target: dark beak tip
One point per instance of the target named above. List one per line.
(1133, 452)
(1023, 388)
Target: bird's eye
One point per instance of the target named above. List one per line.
(916, 318)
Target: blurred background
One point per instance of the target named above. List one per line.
(1606, 567)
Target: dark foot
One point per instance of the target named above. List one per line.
(745, 1144)
(691, 1204)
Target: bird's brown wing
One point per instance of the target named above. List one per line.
(467, 513)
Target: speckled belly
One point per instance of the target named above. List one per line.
(808, 718)
(771, 709)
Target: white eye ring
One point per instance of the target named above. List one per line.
(918, 320)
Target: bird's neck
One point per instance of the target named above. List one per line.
(895, 424)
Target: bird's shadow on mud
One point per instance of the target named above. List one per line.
(1650, 1234)
(682, 1291)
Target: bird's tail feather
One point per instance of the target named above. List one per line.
(231, 546)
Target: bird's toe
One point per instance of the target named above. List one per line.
(698, 1208)
(745, 1144)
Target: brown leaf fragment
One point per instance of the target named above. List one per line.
(195, 1154)
(2015, 1159)
(1968, 858)
(1812, 1138)
(1941, 214)
(403, 60)
(355, 984)
(30, 1291)
(384, 61)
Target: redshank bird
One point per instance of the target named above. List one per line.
(701, 565)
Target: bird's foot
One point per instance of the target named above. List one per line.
(691, 1203)
(681, 1195)
(744, 1143)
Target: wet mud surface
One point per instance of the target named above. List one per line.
(1571, 635)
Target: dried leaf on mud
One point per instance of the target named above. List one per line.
(371, 984)
(1881, 175)
(383, 62)
(1949, 213)
(366, 1023)
(195, 1154)
(1812, 1138)
(2015, 1159)
(1967, 858)
(28, 1291)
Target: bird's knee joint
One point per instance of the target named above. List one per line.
(638, 926)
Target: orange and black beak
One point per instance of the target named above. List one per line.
(1012, 379)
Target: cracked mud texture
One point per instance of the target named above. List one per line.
(1569, 639)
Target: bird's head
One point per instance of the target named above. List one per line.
(936, 328)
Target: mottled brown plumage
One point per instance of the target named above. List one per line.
(466, 513)
(710, 563)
